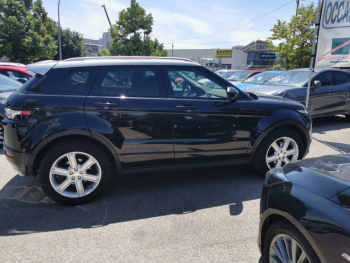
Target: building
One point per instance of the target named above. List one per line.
(259, 55)
(255, 55)
(105, 40)
(234, 58)
(92, 46)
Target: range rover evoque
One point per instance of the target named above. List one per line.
(80, 121)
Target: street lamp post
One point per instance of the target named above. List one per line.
(172, 49)
(59, 31)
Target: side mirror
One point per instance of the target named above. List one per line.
(232, 93)
(316, 84)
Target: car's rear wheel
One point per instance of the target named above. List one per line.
(74, 173)
(278, 148)
(284, 243)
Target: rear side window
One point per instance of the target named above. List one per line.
(341, 78)
(128, 82)
(67, 81)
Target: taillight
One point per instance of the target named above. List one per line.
(12, 114)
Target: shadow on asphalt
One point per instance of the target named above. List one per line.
(25, 209)
(331, 123)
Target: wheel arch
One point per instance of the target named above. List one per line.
(39, 152)
(277, 215)
(289, 124)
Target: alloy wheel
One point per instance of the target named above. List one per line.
(285, 249)
(75, 174)
(281, 152)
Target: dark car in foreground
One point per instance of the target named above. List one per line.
(7, 87)
(77, 122)
(304, 211)
(329, 94)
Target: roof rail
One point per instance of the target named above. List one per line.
(126, 58)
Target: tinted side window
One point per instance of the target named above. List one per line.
(326, 78)
(341, 78)
(65, 81)
(129, 82)
(194, 83)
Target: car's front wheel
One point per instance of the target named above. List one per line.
(74, 172)
(280, 147)
(284, 243)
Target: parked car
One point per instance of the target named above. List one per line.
(240, 76)
(228, 73)
(330, 89)
(259, 79)
(73, 126)
(7, 86)
(304, 211)
(18, 73)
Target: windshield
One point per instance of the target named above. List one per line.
(260, 78)
(228, 74)
(290, 78)
(7, 84)
(239, 75)
(220, 73)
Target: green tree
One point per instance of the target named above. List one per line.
(72, 44)
(131, 34)
(295, 38)
(103, 52)
(27, 33)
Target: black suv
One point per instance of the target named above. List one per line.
(81, 120)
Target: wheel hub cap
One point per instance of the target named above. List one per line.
(75, 174)
(281, 152)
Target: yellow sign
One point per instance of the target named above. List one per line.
(224, 53)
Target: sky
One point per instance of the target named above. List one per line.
(189, 24)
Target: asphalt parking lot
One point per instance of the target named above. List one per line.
(207, 215)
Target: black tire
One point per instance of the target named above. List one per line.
(259, 160)
(347, 118)
(286, 228)
(67, 147)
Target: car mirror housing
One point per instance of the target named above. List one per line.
(316, 84)
(232, 93)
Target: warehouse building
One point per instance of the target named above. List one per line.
(256, 55)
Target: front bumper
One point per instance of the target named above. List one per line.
(19, 161)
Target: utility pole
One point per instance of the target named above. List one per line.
(59, 30)
(104, 7)
(296, 12)
(172, 49)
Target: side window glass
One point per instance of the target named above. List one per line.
(66, 81)
(326, 78)
(129, 82)
(195, 83)
(74, 82)
(341, 78)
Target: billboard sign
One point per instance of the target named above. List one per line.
(224, 53)
(333, 47)
(268, 55)
(91, 48)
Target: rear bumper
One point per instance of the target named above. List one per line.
(19, 161)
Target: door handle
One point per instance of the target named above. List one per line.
(186, 107)
(332, 90)
(105, 104)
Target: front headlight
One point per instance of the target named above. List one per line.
(280, 93)
(275, 176)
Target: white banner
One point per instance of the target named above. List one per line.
(333, 47)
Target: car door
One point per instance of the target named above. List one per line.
(324, 97)
(133, 114)
(207, 127)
